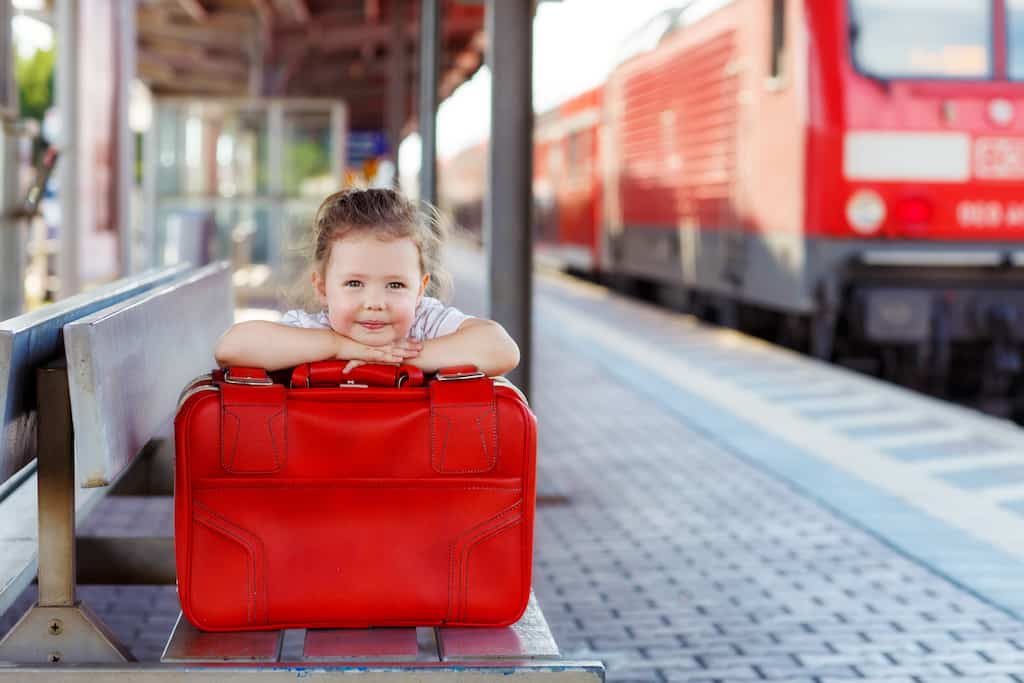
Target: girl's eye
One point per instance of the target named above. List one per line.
(396, 285)
(353, 283)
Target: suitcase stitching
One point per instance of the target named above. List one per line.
(278, 462)
(476, 529)
(250, 593)
(261, 556)
(230, 465)
(467, 553)
(470, 540)
(492, 457)
(453, 568)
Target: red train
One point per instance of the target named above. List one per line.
(844, 175)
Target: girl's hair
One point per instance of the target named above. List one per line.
(386, 214)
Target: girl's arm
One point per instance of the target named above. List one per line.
(262, 344)
(484, 343)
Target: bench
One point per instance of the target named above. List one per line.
(77, 376)
(28, 342)
(115, 417)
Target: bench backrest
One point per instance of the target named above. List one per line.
(128, 364)
(34, 338)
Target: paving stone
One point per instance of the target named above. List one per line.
(789, 673)
(987, 669)
(730, 674)
(889, 669)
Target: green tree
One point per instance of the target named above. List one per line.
(35, 83)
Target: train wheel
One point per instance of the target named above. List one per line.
(966, 378)
(823, 334)
(674, 297)
(727, 312)
(793, 332)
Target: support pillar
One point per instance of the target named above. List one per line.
(125, 138)
(430, 48)
(12, 244)
(507, 214)
(58, 629)
(398, 69)
(67, 97)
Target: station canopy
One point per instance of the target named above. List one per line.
(342, 49)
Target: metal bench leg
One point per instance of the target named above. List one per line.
(58, 628)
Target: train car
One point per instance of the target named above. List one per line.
(567, 182)
(851, 169)
(548, 162)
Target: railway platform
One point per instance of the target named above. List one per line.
(714, 508)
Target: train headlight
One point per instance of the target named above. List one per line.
(865, 212)
(1001, 112)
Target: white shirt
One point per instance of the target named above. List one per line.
(432, 319)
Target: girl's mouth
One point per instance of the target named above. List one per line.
(373, 325)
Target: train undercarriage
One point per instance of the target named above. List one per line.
(957, 333)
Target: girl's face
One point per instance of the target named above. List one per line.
(371, 287)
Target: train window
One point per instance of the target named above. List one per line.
(778, 37)
(922, 38)
(1015, 38)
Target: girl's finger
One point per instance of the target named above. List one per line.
(352, 364)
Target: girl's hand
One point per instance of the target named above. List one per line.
(407, 348)
(390, 354)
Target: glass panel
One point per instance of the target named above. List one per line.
(223, 230)
(307, 154)
(205, 151)
(186, 235)
(241, 155)
(922, 38)
(215, 198)
(168, 151)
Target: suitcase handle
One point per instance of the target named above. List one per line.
(328, 373)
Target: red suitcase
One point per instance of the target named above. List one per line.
(326, 505)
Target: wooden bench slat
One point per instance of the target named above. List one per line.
(127, 365)
(189, 644)
(371, 644)
(529, 638)
(29, 340)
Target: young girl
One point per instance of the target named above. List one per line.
(376, 255)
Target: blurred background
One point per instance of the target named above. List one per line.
(841, 178)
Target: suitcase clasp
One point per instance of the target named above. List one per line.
(456, 375)
(247, 381)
